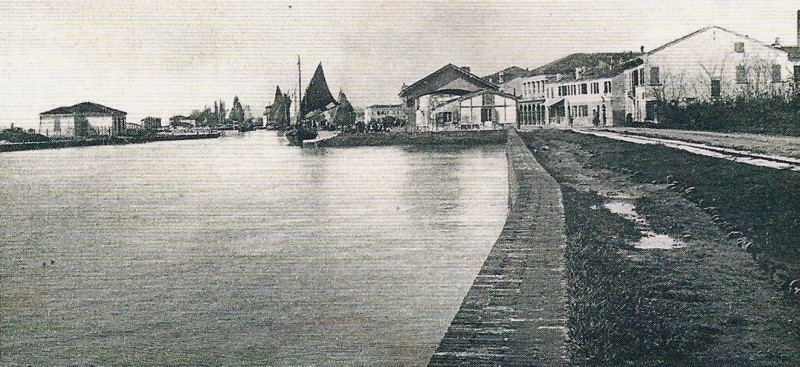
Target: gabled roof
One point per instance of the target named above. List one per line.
(442, 77)
(569, 63)
(701, 30)
(84, 107)
(473, 94)
(508, 74)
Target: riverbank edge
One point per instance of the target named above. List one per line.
(515, 311)
(57, 144)
(415, 138)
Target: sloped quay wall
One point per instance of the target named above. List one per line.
(515, 312)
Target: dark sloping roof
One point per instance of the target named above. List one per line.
(84, 107)
(385, 106)
(569, 63)
(441, 77)
(508, 74)
(606, 71)
(793, 51)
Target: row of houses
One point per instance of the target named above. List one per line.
(603, 89)
(581, 89)
(87, 119)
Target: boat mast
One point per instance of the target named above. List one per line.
(299, 88)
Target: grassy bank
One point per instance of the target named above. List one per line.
(409, 138)
(707, 303)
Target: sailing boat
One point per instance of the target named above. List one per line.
(314, 103)
(279, 114)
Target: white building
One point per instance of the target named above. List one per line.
(81, 120)
(709, 63)
(378, 111)
(481, 110)
(449, 84)
(575, 89)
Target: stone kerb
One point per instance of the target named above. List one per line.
(515, 312)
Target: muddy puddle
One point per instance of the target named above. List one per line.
(650, 239)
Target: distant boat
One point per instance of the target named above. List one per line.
(315, 102)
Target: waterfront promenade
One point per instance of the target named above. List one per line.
(514, 313)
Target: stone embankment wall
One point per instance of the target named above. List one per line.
(420, 138)
(515, 312)
(53, 144)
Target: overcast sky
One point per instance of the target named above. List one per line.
(161, 58)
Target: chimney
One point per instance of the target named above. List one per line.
(641, 49)
(777, 43)
(466, 68)
(578, 72)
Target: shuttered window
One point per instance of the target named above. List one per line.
(655, 78)
(487, 114)
(715, 88)
(776, 74)
(741, 74)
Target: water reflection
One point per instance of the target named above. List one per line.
(241, 251)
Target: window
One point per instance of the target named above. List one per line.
(488, 99)
(655, 78)
(584, 89)
(607, 87)
(738, 47)
(444, 117)
(776, 74)
(797, 74)
(641, 76)
(487, 114)
(741, 75)
(635, 76)
(715, 88)
(574, 89)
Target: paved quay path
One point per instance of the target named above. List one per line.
(515, 312)
(785, 146)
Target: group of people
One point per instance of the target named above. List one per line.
(373, 126)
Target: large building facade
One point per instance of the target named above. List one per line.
(452, 98)
(379, 111)
(710, 63)
(82, 120)
(572, 91)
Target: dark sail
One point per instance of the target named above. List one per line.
(279, 115)
(345, 115)
(318, 97)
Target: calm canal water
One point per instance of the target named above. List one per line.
(240, 251)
